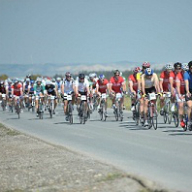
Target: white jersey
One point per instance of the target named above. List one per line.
(68, 86)
(82, 87)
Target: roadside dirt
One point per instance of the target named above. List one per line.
(28, 164)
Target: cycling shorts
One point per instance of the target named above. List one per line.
(150, 90)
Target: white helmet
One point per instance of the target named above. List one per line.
(92, 75)
(58, 78)
(169, 66)
(185, 66)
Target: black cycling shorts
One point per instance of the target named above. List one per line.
(150, 90)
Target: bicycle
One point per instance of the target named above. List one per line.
(51, 100)
(18, 105)
(69, 99)
(101, 112)
(167, 114)
(152, 111)
(32, 104)
(175, 115)
(136, 113)
(40, 106)
(3, 102)
(118, 111)
(83, 109)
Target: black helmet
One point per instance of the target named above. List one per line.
(190, 64)
(81, 76)
(178, 64)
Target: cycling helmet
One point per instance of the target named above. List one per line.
(32, 82)
(81, 76)
(53, 80)
(68, 74)
(146, 64)
(92, 75)
(16, 80)
(185, 66)
(178, 64)
(190, 64)
(149, 71)
(9, 81)
(169, 66)
(27, 80)
(2, 82)
(116, 71)
(136, 70)
(58, 78)
(39, 79)
(101, 77)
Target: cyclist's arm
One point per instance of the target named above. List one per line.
(156, 81)
(97, 88)
(130, 84)
(143, 84)
(178, 84)
(171, 84)
(161, 84)
(187, 86)
(62, 88)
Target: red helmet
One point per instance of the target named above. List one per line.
(146, 64)
(136, 70)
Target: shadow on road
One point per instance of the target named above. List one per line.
(64, 122)
(184, 133)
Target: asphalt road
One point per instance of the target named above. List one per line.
(163, 155)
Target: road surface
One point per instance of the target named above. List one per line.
(163, 155)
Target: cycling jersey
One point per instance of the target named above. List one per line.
(82, 86)
(50, 88)
(26, 87)
(150, 82)
(180, 78)
(173, 76)
(17, 89)
(138, 76)
(132, 78)
(116, 85)
(58, 84)
(2, 89)
(188, 76)
(39, 89)
(68, 86)
(164, 76)
(31, 90)
(102, 86)
(93, 83)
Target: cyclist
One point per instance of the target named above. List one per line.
(81, 88)
(26, 88)
(92, 85)
(188, 87)
(172, 78)
(133, 86)
(2, 89)
(145, 65)
(31, 91)
(17, 91)
(180, 91)
(68, 87)
(39, 90)
(164, 83)
(117, 85)
(102, 86)
(149, 84)
(9, 92)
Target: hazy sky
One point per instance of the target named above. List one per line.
(63, 31)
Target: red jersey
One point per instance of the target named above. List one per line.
(179, 77)
(116, 85)
(133, 79)
(102, 86)
(17, 89)
(165, 77)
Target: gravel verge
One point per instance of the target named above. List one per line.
(29, 164)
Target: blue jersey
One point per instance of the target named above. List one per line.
(188, 76)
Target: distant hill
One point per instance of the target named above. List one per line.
(20, 70)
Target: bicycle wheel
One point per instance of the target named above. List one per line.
(137, 114)
(149, 118)
(81, 109)
(101, 111)
(169, 113)
(70, 112)
(116, 114)
(165, 115)
(176, 119)
(154, 117)
(18, 110)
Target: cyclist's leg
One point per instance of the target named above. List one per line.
(189, 108)
(180, 110)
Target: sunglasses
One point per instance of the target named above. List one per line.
(68, 76)
(178, 68)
